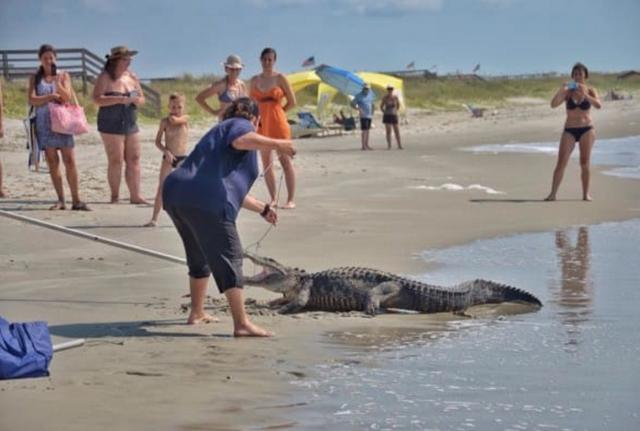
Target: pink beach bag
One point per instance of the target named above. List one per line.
(67, 118)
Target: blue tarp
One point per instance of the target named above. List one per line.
(25, 349)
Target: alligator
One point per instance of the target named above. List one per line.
(372, 291)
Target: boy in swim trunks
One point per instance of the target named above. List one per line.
(175, 129)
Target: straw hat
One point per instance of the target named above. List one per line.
(233, 62)
(120, 51)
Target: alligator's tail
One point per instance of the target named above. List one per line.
(490, 292)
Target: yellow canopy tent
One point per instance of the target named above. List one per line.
(300, 80)
(379, 81)
(326, 93)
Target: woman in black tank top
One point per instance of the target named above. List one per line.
(578, 128)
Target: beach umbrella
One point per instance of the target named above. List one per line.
(346, 82)
(25, 349)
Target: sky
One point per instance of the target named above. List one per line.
(174, 37)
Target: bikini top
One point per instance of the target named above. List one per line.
(119, 93)
(228, 96)
(585, 105)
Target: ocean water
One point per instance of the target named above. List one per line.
(572, 365)
(622, 154)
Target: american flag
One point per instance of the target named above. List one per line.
(411, 65)
(311, 61)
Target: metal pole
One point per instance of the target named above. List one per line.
(68, 344)
(111, 242)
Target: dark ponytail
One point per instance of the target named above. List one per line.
(110, 67)
(54, 69)
(242, 107)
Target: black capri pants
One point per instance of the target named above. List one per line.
(211, 244)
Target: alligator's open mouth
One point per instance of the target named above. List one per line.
(259, 277)
(270, 270)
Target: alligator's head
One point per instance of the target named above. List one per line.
(274, 276)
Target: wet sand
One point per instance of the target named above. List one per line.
(142, 368)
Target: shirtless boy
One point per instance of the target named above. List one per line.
(175, 129)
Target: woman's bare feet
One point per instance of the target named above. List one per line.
(288, 206)
(152, 223)
(587, 198)
(115, 199)
(57, 206)
(2, 194)
(139, 200)
(195, 319)
(550, 198)
(251, 330)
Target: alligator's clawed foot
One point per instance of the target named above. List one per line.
(276, 303)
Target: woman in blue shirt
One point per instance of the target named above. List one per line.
(203, 197)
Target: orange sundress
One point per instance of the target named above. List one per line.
(273, 119)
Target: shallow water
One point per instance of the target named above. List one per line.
(574, 364)
(623, 153)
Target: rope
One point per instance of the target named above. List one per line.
(258, 243)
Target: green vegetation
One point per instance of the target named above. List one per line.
(449, 93)
(442, 94)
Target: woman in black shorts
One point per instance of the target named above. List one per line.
(578, 127)
(390, 105)
(118, 94)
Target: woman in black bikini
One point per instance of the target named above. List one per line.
(579, 98)
(118, 94)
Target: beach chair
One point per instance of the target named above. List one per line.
(306, 126)
(475, 112)
(349, 124)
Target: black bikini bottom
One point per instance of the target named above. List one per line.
(577, 132)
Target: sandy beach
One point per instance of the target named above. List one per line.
(143, 368)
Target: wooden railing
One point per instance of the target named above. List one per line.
(79, 62)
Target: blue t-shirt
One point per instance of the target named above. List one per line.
(364, 103)
(215, 176)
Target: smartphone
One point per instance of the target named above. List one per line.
(572, 85)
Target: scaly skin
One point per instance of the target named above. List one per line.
(370, 290)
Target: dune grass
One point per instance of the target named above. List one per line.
(450, 93)
(436, 95)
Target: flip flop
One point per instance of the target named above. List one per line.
(80, 206)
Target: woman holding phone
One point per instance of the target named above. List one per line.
(118, 94)
(578, 128)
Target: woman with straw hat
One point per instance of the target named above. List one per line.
(227, 89)
(118, 94)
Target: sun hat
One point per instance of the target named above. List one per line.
(389, 86)
(120, 51)
(233, 62)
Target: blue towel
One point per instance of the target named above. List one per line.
(25, 349)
